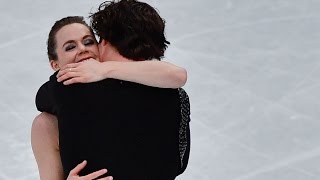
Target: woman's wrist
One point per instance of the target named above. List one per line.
(107, 68)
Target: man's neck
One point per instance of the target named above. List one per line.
(115, 58)
(111, 54)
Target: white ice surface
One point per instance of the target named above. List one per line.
(253, 80)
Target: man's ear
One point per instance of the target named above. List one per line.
(104, 42)
(54, 65)
(102, 48)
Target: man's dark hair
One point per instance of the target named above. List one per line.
(134, 28)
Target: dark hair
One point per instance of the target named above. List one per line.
(52, 42)
(134, 28)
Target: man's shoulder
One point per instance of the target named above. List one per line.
(44, 99)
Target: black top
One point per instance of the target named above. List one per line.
(128, 128)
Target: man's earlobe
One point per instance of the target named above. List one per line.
(54, 65)
(104, 42)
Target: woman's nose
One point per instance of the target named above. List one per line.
(82, 47)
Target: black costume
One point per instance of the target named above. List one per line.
(133, 130)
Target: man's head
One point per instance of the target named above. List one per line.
(133, 28)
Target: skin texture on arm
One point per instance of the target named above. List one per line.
(151, 73)
(45, 146)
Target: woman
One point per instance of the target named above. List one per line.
(73, 50)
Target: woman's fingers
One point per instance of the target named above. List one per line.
(73, 175)
(95, 174)
(78, 168)
(68, 75)
(67, 68)
(74, 80)
(106, 178)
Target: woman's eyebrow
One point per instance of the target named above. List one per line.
(69, 41)
(89, 35)
(72, 41)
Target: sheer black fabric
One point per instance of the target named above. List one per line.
(184, 130)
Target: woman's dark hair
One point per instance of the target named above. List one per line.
(134, 28)
(52, 42)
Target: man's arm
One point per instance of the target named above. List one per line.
(151, 73)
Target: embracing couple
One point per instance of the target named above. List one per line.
(112, 109)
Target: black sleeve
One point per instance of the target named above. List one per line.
(184, 130)
(44, 99)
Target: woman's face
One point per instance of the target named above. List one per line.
(75, 43)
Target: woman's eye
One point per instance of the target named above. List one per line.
(69, 47)
(88, 42)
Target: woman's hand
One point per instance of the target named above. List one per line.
(86, 71)
(73, 175)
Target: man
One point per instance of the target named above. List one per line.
(129, 128)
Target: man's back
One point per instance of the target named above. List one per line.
(128, 128)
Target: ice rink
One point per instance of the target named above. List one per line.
(253, 81)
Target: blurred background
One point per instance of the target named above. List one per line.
(253, 81)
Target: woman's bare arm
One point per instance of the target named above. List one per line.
(45, 146)
(152, 73)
